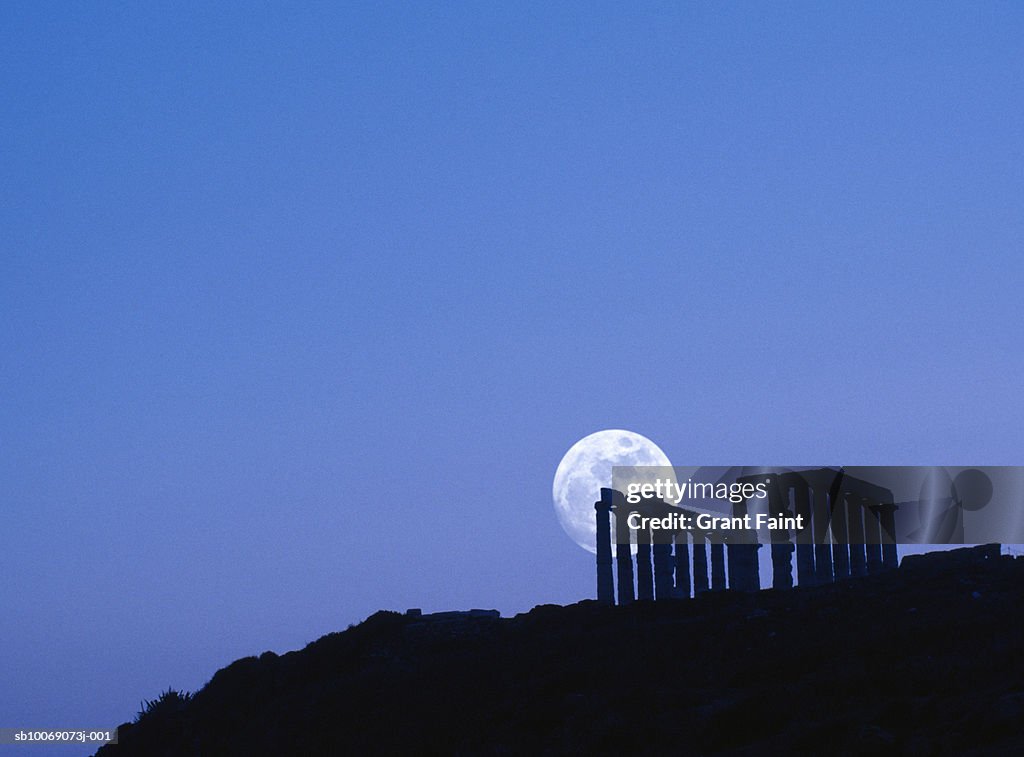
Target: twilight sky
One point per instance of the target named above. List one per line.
(300, 308)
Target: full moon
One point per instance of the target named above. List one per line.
(586, 467)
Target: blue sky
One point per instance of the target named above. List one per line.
(301, 307)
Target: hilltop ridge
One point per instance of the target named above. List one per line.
(927, 659)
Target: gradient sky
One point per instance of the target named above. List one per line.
(301, 307)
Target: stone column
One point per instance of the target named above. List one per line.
(840, 538)
(873, 536)
(782, 547)
(623, 555)
(700, 562)
(887, 520)
(805, 571)
(820, 522)
(855, 519)
(742, 549)
(605, 582)
(717, 563)
(644, 574)
(682, 559)
(663, 586)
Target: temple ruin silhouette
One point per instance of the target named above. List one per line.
(850, 532)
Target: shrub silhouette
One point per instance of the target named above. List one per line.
(169, 703)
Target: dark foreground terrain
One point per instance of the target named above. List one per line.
(928, 659)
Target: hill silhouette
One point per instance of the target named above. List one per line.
(926, 659)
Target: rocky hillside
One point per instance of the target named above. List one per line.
(928, 659)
